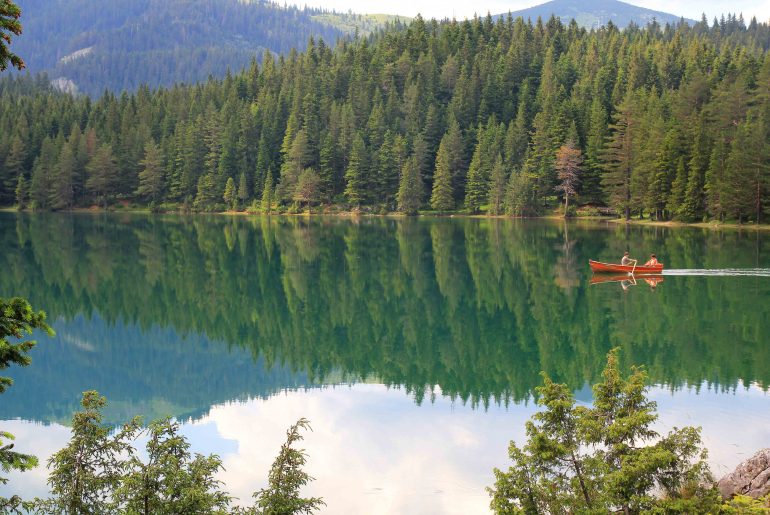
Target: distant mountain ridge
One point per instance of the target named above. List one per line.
(597, 13)
(93, 45)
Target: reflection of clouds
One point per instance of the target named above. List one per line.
(372, 450)
(37, 439)
(735, 424)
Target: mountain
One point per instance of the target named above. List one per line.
(92, 45)
(596, 13)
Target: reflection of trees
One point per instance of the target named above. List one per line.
(467, 305)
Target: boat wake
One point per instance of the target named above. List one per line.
(720, 272)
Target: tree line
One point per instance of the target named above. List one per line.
(480, 116)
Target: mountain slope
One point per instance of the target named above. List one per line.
(595, 13)
(118, 45)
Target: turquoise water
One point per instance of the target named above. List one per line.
(413, 346)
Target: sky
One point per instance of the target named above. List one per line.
(464, 9)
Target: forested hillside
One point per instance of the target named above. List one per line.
(121, 44)
(665, 121)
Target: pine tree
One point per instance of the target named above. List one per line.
(267, 194)
(86, 472)
(17, 320)
(591, 184)
(441, 198)
(328, 166)
(692, 206)
(715, 180)
(285, 479)
(477, 188)
(618, 159)
(356, 174)
(497, 185)
(151, 176)
(22, 192)
(678, 187)
(243, 189)
(411, 189)
(9, 24)
(230, 197)
(308, 187)
(63, 193)
(40, 188)
(102, 174)
(207, 197)
(14, 168)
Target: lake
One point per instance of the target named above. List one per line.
(412, 346)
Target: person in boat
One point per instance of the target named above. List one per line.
(653, 261)
(626, 260)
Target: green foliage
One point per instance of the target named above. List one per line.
(17, 319)
(744, 505)
(636, 104)
(99, 471)
(85, 474)
(9, 25)
(22, 192)
(230, 196)
(308, 187)
(151, 177)
(286, 478)
(267, 194)
(410, 191)
(604, 458)
(442, 197)
(171, 480)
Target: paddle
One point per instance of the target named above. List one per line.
(631, 273)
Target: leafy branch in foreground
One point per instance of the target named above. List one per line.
(9, 24)
(16, 320)
(604, 458)
(285, 480)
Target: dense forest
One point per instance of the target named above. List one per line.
(483, 116)
(122, 44)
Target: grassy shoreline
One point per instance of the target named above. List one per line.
(714, 225)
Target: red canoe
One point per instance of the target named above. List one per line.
(598, 267)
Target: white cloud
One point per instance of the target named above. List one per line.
(372, 450)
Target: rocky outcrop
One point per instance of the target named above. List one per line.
(752, 477)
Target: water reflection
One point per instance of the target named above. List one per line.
(208, 309)
(412, 345)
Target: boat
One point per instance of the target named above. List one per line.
(611, 268)
(652, 279)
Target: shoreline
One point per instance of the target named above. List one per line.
(714, 225)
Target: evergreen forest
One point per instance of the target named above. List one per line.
(487, 116)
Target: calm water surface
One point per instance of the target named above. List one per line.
(413, 346)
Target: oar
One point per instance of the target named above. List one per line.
(631, 273)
